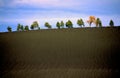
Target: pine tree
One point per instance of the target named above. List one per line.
(111, 23)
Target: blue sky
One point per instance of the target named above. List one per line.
(25, 12)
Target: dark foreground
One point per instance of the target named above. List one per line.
(64, 53)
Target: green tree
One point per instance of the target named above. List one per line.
(47, 25)
(62, 24)
(22, 28)
(26, 28)
(58, 25)
(111, 23)
(9, 29)
(34, 25)
(80, 22)
(69, 24)
(19, 27)
(98, 22)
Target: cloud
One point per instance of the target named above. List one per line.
(47, 3)
(59, 3)
(78, 5)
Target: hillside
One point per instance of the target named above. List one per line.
(61, 53)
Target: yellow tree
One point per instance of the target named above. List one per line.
(91, 20)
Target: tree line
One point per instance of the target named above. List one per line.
(61, 24)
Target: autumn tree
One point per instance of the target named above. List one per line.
(9, 29)
(34, 25)
(80, 22)
(47, 25)
(91, 20)
(111, 23)
(69, 24)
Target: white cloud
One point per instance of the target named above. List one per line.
(47, 3)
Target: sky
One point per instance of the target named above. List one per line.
(25, 12)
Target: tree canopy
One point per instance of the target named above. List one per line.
(98, 22)
(58, 25)
(34, 25)
(111, 23)
(62, 24)
(80, 22)
(26, 28)
(69, 24)
(20, 27)
(9, 29)
(91, 20)
(47, 25)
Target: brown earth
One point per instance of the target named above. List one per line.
(61, 53)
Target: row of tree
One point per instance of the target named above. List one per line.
(61, 24)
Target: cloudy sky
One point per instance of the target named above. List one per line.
(25, 12)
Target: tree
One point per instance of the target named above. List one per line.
(69, 24)
(9, 29)
(26, 28)
(58, 25)
(19, 27)
(111, 23)
(22, 28)
(91, 20)
(80, 22)
(34, 25)
(47, 25)
(98, 22)
(62, 24)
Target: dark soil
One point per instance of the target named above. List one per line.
(61, 53)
